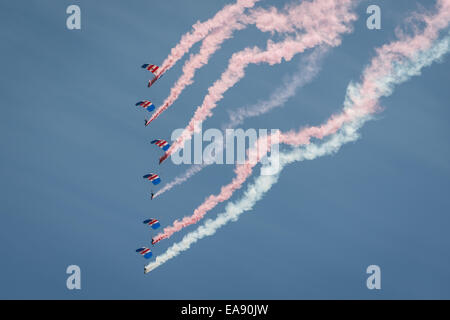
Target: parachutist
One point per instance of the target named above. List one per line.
(153, 69)
(155, 241)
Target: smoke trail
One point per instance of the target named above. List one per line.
(307, 70)
(253, 194)
(378, 80)
(196, 168)
(202, 29)
(327, 31)
(210, 45)
(348, 133)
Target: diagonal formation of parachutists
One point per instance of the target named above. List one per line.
(393, 64)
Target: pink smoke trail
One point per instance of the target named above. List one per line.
(358, 106)
(308, 68)
(209, 46)
(265, 20)
(202, 29)
(317, 31)
(236, 21)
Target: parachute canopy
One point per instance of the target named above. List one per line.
(163, 144)
(147, 105)
(144, 251)
(154, 178)
(151, 67)
(152, 223)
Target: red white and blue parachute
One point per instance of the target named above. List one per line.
(155, 70)
(151, 67)
(147, 105)
(163, 144)
(145, 252)
(152, 223)
(153, 177)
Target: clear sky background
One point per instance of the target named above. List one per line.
(74, 149)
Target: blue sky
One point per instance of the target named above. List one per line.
(74, 150)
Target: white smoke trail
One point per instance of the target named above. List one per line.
(307, 70)
(253, 194)
(348, 133)
(196, 168)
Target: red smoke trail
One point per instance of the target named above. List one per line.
(358, 106)
(210, 45)
(309, 16)
(202, 29)
(264, 19)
